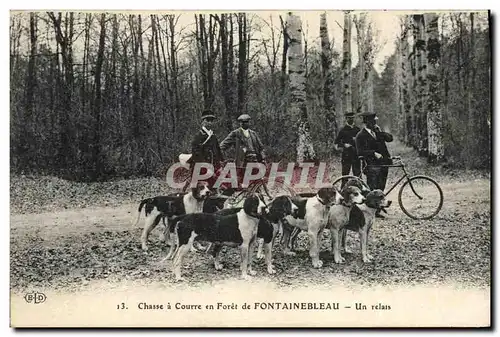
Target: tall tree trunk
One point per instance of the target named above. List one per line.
(29, 115)
(346, 64)
(298, 107)
(242, 62)
(360, 24)
(96, 146)
(166, 85)
(405, 125)
(434, 103)
(174, 69)
(230, 70)
(226, 90)
(64, 41)
(329, 84)
(286, 39)
(420, 130)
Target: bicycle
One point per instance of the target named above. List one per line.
(413, 183)
(237, 195)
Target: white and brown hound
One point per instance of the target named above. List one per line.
(236, 230)
(168, 206)
(312, 218)
(338, 217)
(362, 218)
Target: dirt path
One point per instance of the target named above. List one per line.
(460, 197)
(71, 248)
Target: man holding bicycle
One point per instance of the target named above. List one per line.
(370, 144)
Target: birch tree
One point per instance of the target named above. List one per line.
(366, 54)
(405, 103)
(346, 64)
(434, 103)
(298, 107)
(420, 114)
(329, 84)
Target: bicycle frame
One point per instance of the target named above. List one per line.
(405, 175)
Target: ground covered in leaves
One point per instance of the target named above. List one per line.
(66, 234)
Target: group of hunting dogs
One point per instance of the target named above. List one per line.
(199, 216)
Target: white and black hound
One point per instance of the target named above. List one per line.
(169, 206)
(268, 227)
(312, 217)
(362, 218)
(236, 230)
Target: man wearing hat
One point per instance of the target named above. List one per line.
(346, 141)
(370, 143)
(247, 144)
(205, 146)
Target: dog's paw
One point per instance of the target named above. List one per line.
(347, 251)
(179, 279)
(339, 259)
(317, 264)
(289, 253)
(271, 270)
(366, 259)
(252, 272)
(145, 248)
(260, 255)
(246, 277)
(370, 256)
(218, 266)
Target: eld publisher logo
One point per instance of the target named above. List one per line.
(35, 298)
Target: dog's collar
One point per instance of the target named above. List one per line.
(321, 201)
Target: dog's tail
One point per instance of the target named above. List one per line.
(143, 202)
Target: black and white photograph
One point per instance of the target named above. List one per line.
(258, 168)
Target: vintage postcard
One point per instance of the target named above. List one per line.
(250, 169)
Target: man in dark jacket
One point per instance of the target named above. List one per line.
(205, 147)
(370, 143)
(247, 144)
(346, 141)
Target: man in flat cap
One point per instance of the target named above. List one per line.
(346, 141)
(247, 144)
(370, 143)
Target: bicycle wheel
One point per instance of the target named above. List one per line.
(420, 198)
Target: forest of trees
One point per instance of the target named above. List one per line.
(101, 95)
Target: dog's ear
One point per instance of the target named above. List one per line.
(345, 193)
(251, 204)
(327, 193)
(356, 218)
(196, 191)
(373, 199)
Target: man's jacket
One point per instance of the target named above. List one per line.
(237, 139)
(367, 145)
(205, 149)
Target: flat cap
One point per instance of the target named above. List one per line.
(244, 118)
